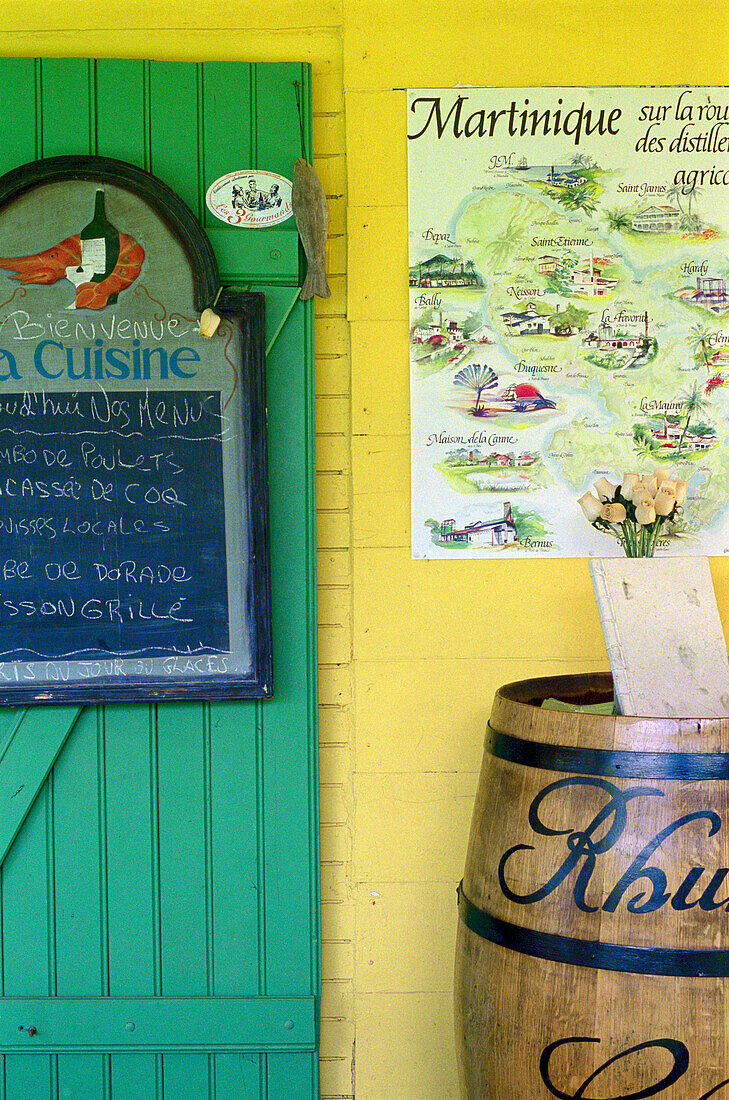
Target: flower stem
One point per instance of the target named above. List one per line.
(655, 533)
(626, 539)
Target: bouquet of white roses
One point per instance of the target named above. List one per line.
(636, 510)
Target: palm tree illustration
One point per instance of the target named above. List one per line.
(673, 194)
(698, 340)
(501, 247)
(618, 219)
(578, 197)
(642, 439)
(693, 403)
(477, 377)
(692, 191)
(584, 160)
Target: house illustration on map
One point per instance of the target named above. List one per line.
(526, 322)
(670, 434)
(610, 338)
(493, 532)
(657, 219)
(709, 293)
(588, 280)
(547, 264)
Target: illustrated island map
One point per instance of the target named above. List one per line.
(569, 319)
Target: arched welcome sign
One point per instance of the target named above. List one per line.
(133, 508)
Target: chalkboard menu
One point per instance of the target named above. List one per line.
(133, 506)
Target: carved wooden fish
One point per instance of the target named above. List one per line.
(312, 219)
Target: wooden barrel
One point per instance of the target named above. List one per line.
(593, 945)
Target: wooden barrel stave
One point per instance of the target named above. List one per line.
(644, 902)
(509, 1013)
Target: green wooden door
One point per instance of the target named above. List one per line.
(159, 903)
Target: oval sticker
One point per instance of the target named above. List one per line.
(250, 199)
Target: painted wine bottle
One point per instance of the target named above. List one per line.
(99, 245)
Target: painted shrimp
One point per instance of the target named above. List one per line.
(44, 268)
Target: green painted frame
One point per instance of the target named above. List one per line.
(230, 787)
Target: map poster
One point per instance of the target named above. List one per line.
(569, 313)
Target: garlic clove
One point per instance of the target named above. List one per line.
(209, 321)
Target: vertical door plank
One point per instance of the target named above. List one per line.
(277, 129)
(30, 1075)
(183, 732)
(28, 939)
(175, 96)
(226, 124)
(132, 875)
(21, 139)
(121, 110)
(240, 1075)
(80, 891)
(292, 1075)
(289, 724)
(67, 104)
(182, 848)
(28, 934)
(238, 878)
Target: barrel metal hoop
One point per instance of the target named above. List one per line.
(608, 762)
(664, 961)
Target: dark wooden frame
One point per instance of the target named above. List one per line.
(246, 312)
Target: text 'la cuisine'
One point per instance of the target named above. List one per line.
(52, 359)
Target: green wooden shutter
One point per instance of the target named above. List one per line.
(160, 925)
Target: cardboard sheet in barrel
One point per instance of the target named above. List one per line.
(663, 635)
(133, 500)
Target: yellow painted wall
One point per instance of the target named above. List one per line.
(433, 639)
(410, 652)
